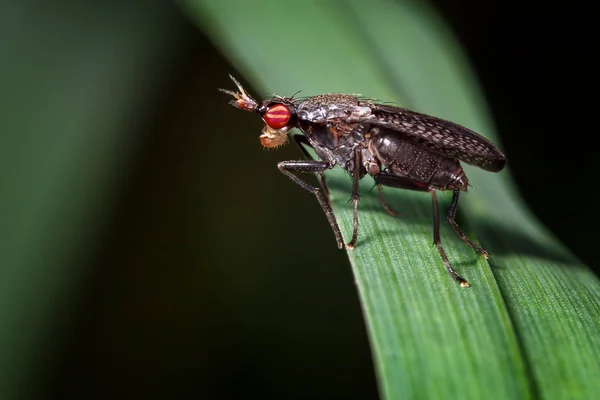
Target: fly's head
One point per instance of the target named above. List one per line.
(278, 114)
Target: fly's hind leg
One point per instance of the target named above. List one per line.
(385, 205)
(409, 184)
(459, 232)
(438, 242)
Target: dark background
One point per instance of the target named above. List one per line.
(152, 323)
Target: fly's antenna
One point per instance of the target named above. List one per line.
(243, 100)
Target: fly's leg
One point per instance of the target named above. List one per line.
(355, 197)
(400, 182)
(384, 203)
(459, 232)
(302, 140)
(404, 183)
(311, 166)
(438, 243)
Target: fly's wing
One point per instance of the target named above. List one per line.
(440, 136)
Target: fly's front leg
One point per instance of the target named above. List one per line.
(302, 140)
(355, 197)
(289, 167)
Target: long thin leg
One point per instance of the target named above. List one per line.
(404, 183)
(400, 182)
(459, 232)
(355, 197)
(438, 243)
(302, 140)
(288, 167)
(384, 203)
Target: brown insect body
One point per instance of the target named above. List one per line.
(398, 147)
(328, 122)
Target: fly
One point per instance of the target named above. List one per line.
(397, 147)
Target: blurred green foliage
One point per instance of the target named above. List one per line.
(150, 248)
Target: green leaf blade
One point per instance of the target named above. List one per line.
(437, 336)
(528, 327)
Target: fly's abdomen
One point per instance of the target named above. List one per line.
(406, 159)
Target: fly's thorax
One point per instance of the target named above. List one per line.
(332, 106)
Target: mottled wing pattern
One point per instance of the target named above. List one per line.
(440, 136)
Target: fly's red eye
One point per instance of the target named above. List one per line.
(277, 116)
